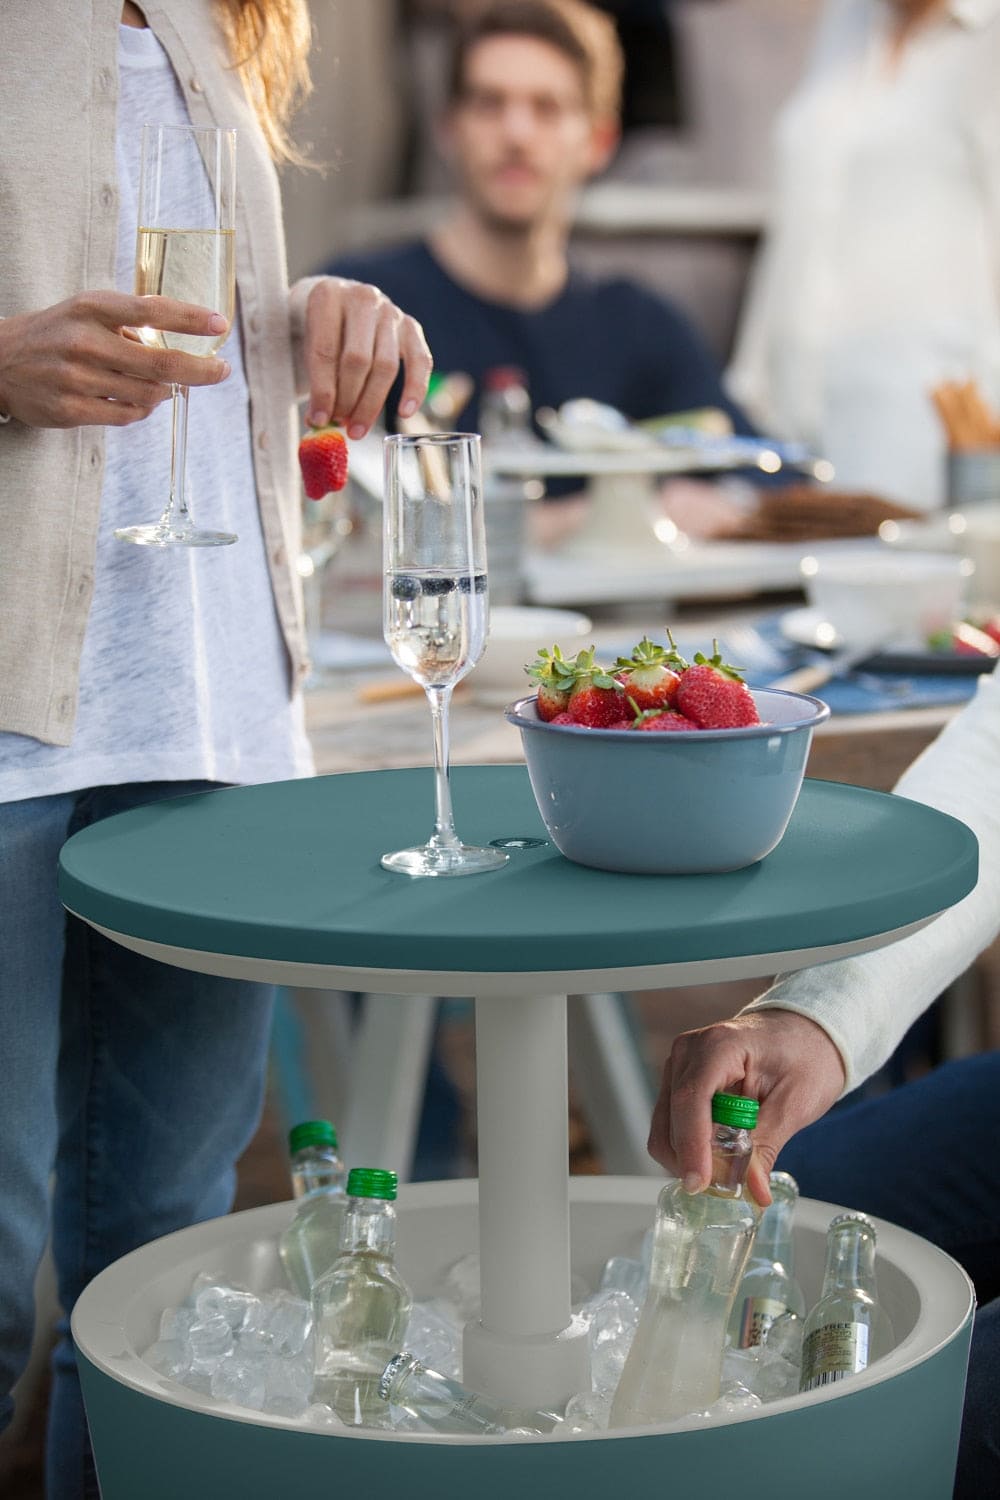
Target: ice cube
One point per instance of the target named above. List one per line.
(623, 1274)
(460, 1285)
(322, 1416)
(210, 1340)
(588, 1411)
(216, 1299)
(777, 1376)
(434, 1335)
(289, 1385)
(241, 1381)
(176, 1322)
(784, 1337)
(741, 1366)
(611, 1317)
(279, 1323)
(169, 1357)
(733, 1401)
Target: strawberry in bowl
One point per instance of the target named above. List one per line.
(703, 781)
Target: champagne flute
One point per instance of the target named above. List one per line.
(185, 248)
(436, 608)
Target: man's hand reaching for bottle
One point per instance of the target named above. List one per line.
(782, 1059)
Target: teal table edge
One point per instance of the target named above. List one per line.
(289, 872)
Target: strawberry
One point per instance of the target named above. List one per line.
(323, 461)
(595, 699)
(967, 640)
(650, 676)
(991, 626)
(663, 719)
(714, 694)
(555, 677)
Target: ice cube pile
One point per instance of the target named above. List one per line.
(256, 1351)
(253, 1351)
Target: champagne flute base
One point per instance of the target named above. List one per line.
(429, 859)
(155, 534)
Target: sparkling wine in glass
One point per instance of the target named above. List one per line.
(185, 248)
(436, 608)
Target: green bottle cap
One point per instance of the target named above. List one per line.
(733, 1109)
(371, 1182)
(311, 1133)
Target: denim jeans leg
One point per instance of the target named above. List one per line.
(161, 1078)
(921, 1156)
(979, 1450)
(31, 955)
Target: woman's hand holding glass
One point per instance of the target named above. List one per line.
(79, 363)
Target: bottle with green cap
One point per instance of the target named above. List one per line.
(311, 1243)
(769, 1288)
(848, 1328)
(361, 1306)
(701, 1244)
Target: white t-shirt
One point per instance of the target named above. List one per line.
(880, 277)
(184, 673)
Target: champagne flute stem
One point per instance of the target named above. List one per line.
(444, 836)
(177, 516)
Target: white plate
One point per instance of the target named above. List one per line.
(939, 533)
(807, 627)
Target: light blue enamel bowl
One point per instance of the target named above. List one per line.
(670, 804)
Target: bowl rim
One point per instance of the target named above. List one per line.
(818, 712)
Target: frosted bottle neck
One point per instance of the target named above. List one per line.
(317, 1170)
(774, 1233)
(850, 1261)
(731, 1151)
(369, 1224)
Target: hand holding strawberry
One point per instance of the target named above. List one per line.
(323, 461)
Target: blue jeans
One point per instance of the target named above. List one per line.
(138, 1084)
(925, 1157)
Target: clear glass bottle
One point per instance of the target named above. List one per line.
(848, 1328)
(701, 1245)
(448, 1406)
(361, 1306)
(769, 1289)
(505, 407)
(505, 421)
(311, 1243)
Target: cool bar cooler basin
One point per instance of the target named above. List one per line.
(283, 883)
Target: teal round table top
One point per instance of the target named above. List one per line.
(290, 872)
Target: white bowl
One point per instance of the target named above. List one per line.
(899, 598)
(516, 634)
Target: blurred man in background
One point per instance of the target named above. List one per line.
(534, 90)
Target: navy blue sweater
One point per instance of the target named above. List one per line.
(612, 340)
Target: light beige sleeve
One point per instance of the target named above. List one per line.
(866, 1004)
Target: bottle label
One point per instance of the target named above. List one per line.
(832, 1353)
(756, 1316)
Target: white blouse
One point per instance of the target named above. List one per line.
(880, 276)
(867, 1004)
